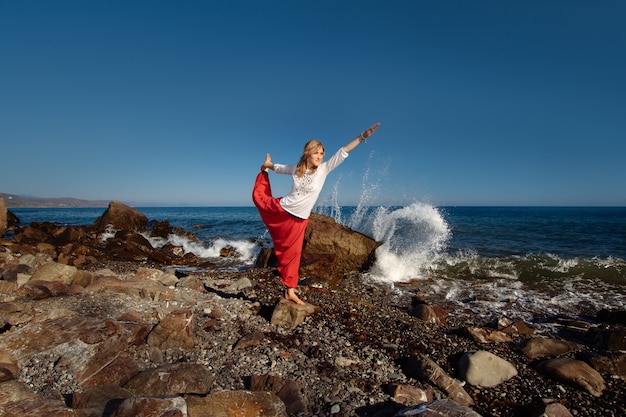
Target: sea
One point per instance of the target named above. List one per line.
(520, 262)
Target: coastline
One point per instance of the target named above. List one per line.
(347, 359)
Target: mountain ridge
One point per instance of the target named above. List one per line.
(17, 201)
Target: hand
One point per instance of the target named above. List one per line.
(369, 131)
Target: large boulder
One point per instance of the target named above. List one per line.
(121, 217)
(330, 250)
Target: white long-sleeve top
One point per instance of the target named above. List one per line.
(305, 190)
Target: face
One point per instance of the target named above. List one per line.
(315, 159)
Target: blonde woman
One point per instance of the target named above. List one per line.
(286, 217)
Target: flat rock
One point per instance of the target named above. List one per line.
(439, 408)
(236, 404)
(289, 314)
(171, 380)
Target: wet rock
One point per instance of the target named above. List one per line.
(121, 217)
(426, 369)
(439, 408)
(236, 404)
(484, 369)
(574, 372)
(289, 314)
(543, 347)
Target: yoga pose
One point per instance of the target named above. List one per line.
(286, 217)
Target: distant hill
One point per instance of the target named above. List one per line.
(15, 201)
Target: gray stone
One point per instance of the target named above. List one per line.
(485, 369)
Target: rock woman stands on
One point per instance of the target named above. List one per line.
(286, 217)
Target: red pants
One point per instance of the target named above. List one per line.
(287, 231)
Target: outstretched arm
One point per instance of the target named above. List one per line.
(356, 141)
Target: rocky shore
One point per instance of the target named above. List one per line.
(107, 327)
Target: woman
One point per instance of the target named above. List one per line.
(287, 217)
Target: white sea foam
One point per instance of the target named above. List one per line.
(108, 233)
(413, 240)
(246, 250)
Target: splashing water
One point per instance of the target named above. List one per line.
(413, 237)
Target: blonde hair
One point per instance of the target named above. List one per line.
(309, 148)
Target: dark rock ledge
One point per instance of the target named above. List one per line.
(105, 330)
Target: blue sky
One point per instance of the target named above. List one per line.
(177, 102)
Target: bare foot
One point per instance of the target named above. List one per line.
(267, 163)
(290, 295)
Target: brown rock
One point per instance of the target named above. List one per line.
(251, 339)
(13, 392)
(171, 380)
(430, 314)
(518, 328)
(574, 372)
(55, 272)
(614, 339)
(37, 407)
(542, 347)
(410, 395)
(553, 410)
(3, 216)
(613, 364)
(330, 250)
(426, 369)
(484, 335)
(93, 350)
(94, 401)
(174, 331)
(151, 407)
(289, 314)
(140, 289)
(121, 217)
(236, 404)
(289, 391)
